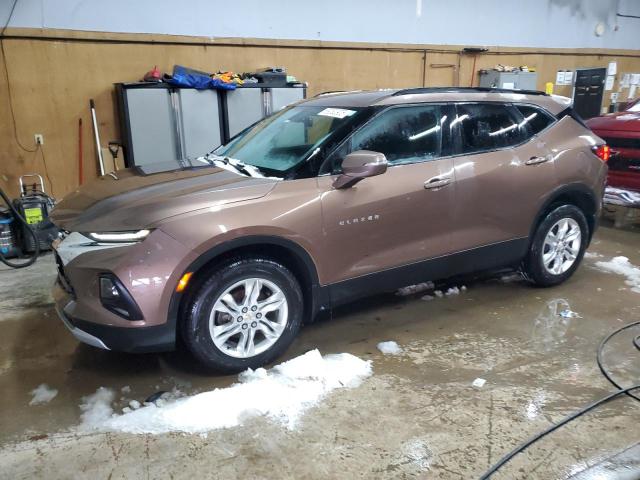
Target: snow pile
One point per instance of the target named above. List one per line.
(282, 394)
(567, 313)
(455, 290)
(42, 394)
(511, 277)
(478, 383)
(411, 289)
(96, 408)
(389, 348)
(448, 293)
(622, 266)
(417, 452)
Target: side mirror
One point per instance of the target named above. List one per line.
(359, 165)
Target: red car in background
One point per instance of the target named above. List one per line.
(621, 131)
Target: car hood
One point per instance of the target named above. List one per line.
(130, 200)
(623, 121)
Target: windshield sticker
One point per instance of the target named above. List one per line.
(336, 112)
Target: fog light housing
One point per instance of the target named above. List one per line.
(117, 299)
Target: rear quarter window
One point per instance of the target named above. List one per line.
(535, 119)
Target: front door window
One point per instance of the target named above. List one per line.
(405, 135)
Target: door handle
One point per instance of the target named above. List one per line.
(437, 182)
(538, 160)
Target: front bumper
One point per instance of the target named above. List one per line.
(149, 271)
(81, 335)
(158, 338)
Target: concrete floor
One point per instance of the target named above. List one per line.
(417, 417)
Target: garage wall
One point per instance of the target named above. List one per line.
(54, 73)
(523, 23)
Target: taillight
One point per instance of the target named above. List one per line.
(603, 152)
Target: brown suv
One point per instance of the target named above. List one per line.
(337, 197)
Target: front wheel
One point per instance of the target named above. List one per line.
(557, 247)
(244, 315)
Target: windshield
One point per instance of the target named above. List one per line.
(634, 108)
(281, 142)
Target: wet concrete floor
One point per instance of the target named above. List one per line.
(417, 416)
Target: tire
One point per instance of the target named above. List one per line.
(234, 353)
(537, 266)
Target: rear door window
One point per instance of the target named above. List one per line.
(484, 127)
(535, 119)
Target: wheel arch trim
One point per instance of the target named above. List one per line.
(563, 191)
(319, 295)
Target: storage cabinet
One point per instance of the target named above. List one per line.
(245, 106)
(160, 123)
(151, 126)
(510, 80)
(200, 121)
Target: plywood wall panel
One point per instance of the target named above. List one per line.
(53, 80)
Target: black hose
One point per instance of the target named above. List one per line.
(36, 242)
(606, 374)
(553, 427)
(579, 413)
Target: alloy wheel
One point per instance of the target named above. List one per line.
(561, 246)
(248, 317)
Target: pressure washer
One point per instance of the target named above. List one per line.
(25, 228)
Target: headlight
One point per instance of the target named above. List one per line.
(115, 237)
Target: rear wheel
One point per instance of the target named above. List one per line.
(557, 247)
(244, 315)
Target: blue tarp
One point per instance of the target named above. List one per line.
(183, 77)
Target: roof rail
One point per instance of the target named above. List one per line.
(330, 92)
(409, 91)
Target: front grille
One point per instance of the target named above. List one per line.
(616, 142)
(62, 276)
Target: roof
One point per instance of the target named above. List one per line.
(358, 98)
(369, 98)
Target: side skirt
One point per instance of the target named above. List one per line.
(494, 256)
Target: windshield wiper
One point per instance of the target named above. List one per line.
(221, 162)
(250, 170)
(238, 165)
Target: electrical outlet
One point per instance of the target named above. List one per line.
(39, 138)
